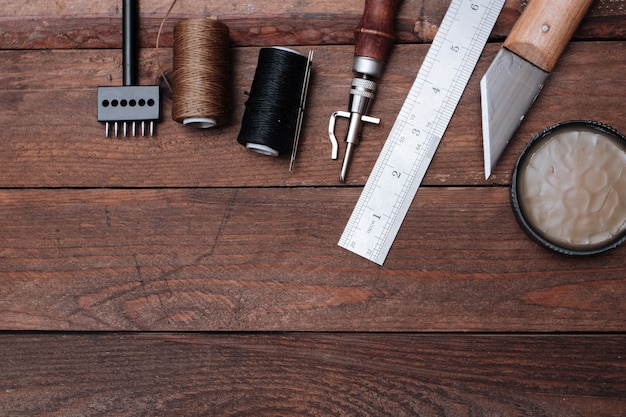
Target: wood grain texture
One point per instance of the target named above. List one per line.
(117, 255)
(374, 36)
(312, 375)
(267, 259)
(66, 147)
(41, 24)
(545, 29)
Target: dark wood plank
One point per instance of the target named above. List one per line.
(66, 147)
(189, 232)
(312, 375)
(41, 24)
(267, 259)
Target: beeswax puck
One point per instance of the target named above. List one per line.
(569, 188)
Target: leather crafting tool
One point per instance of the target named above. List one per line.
(374, 37)
(518, 73)
(130, 105)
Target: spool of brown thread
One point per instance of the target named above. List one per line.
(201, 77)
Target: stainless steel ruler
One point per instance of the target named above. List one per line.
(419, 127)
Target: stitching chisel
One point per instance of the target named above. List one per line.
(520, 69)
(129, 104)
(374, 38)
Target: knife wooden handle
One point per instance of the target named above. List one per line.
(544, 29)
(374, 35)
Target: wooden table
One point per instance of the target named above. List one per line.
(183, 275)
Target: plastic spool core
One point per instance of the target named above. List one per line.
(262, 149)
(200, 122)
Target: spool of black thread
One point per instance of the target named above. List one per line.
(270, 119)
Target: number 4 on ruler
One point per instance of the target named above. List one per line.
(419, 127)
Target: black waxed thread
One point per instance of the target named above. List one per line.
(272, 108)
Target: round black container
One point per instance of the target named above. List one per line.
(568, 188)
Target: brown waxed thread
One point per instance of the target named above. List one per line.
(201, 77)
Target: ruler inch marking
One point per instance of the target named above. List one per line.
(419, 127)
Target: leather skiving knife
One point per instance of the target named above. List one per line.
(520, 69)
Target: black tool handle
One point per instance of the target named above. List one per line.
(130, 24)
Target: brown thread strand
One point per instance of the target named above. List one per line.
(201, 77)
(158, 38)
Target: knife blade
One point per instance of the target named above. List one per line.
(520, 69)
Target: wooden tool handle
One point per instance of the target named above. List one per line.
(374, 35)
(544, 29)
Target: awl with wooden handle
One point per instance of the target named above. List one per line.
(374, 38)
(520, 69)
